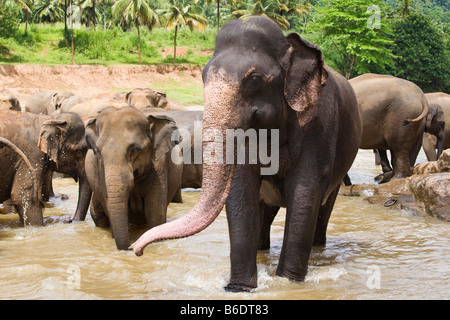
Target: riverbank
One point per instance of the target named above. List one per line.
(182, 83)
(425, 193)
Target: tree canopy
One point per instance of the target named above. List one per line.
(405, 38)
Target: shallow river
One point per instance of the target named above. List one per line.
(371, 253)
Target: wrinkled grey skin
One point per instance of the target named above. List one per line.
(142, 98)
(189, 123)
(9, 102)
(46, 102)
(440, 138)
(51, 143)
(70, 102)
(130, 170)
(394, 114)
(258, 78)
(433, 138)
(435, 128)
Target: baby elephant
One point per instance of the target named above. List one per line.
(130, 170)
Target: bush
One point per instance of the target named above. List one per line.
(423, 57)
(9, 20)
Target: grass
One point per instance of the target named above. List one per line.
(45, 44)
(186, 92)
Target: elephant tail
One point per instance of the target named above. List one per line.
(12, 146)
(422, 115)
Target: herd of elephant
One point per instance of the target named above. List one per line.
(119, 148)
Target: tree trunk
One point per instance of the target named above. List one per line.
(139, 41)
(71, 26)
(218, 16)
(175, 45)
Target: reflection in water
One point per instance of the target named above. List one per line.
(372, 253)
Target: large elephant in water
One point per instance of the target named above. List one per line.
(130, 170)
(394, 114)
(262, 82)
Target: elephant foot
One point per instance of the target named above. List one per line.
(238, 288)
(384, 177)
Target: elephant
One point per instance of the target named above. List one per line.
(46, 102)
(90, 108)
(51, 143)
(9, 102)
(142, 98)
(394, 114)
(190, 125)
(70, 102)
(130, 171)
(440, 138)
(259, 80)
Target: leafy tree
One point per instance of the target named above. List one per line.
(137, 12)
(422, 54)
(183, 13)
(48, 11)
(357, 37)
(9, 21)
(267, 8)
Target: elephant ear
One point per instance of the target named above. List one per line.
(161, 129)
(51, 138)
(91, 135)
(305, 76)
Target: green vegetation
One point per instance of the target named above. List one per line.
(405, 38)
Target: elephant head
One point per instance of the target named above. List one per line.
(257, 78)
(435, 125)
(62, 139)
(57, 100)
(146, 98)
(9, 102)
(125, 147)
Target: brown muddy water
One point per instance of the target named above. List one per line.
(372, 253)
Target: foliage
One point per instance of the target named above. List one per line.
(404, 46)
(9, 22)
(182, 13)
(356, 36)
(423, 58)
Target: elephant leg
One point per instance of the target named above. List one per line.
(304, 195)
(385, 166)
(323, 218)
(243, 215)
(98, 214)
(401, 163)
(268, 215)
(384, 161)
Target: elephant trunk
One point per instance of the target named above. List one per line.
(13, 147)
(217, 174)
(118, 187)
(440, 144)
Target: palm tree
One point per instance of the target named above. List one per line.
(137, 12)
(183, 13)
(405, 8)
(48, 10)
(231, 2)
(267, 8)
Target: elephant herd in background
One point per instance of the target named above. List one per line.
(119, 148)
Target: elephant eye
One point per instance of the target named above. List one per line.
(253, 82)
(134, 149)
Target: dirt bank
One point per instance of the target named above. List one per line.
(22, 81)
